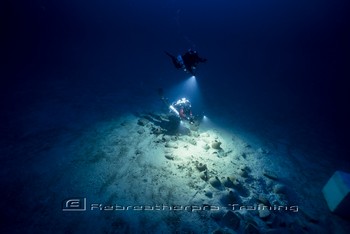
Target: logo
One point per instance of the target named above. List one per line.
(74, 204)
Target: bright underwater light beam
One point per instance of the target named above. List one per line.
(206, 122)
(205, 119)
(187, 88)
(191, 84)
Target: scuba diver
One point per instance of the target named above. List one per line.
(188, 61)
(181, 108)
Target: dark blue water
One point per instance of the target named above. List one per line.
(280, 67)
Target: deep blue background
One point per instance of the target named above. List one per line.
(285, 62)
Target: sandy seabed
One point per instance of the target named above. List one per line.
(137, 178)
(140, 174)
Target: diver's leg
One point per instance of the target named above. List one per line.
(173, 58)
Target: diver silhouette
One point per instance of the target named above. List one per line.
(188, 61)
